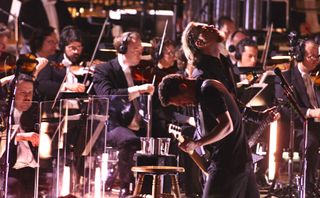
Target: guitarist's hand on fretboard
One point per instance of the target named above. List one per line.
(272, 113)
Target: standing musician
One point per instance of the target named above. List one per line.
(230, 170)
(115, 78)
(24, 142)
(200, 44)
(59, 66)
(307, 95)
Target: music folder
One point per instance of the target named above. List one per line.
(73, 95)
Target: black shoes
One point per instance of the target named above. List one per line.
(124, 192)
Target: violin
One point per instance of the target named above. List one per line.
(315, 78)
(26, 62)
(143, 73)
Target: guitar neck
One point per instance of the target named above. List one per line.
(253, 139)
(176, 131)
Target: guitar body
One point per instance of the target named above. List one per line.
(176, 131)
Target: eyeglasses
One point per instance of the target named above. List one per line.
(74, 48)
(52, 42)
(313, 57)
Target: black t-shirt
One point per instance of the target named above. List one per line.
(214, 68)
(232, 152)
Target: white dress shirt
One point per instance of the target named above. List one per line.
(24, 155)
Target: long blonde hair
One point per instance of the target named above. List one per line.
(188, 39)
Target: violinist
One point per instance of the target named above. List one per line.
(115, 78)
(246, 55)
(166, 64)
(52, 76)
(24, 143)
(307, 96)
(44, 42)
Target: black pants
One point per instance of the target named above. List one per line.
(225, 184)
(21, 182)
(312, 157)
(128, 143)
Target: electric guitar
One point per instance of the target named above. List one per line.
(200, 161)
(260, 130)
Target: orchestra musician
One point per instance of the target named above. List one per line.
(114, 78)
(59, 66)
(165, 65)
(226, 26)
(247, 56)
(42, 13)
(246, 53)
(232, 42)
(24, 143)
(230, 170)
(44, 42)
(307, 96)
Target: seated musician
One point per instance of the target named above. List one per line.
(115, 78)
(246, 55)
(51, 77)
(24, 141)
(307, 96)
(165, 64)
(44, 42)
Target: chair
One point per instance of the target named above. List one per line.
(156, 172)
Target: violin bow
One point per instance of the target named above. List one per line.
(149, 104)
(162, 38)
(263, 59)
(96, 48)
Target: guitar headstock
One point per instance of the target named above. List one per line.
(175, 130)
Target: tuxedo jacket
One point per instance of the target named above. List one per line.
(294, 78)
(50, 78)
(109, 80)
(33, 13)
(28, 122)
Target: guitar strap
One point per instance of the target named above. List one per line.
(200, 130)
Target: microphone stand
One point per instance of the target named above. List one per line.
(4, 184)
(290, 96)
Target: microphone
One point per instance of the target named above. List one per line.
(284, 82)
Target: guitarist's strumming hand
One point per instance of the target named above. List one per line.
(189, 145)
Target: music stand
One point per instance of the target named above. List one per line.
(252, 97)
